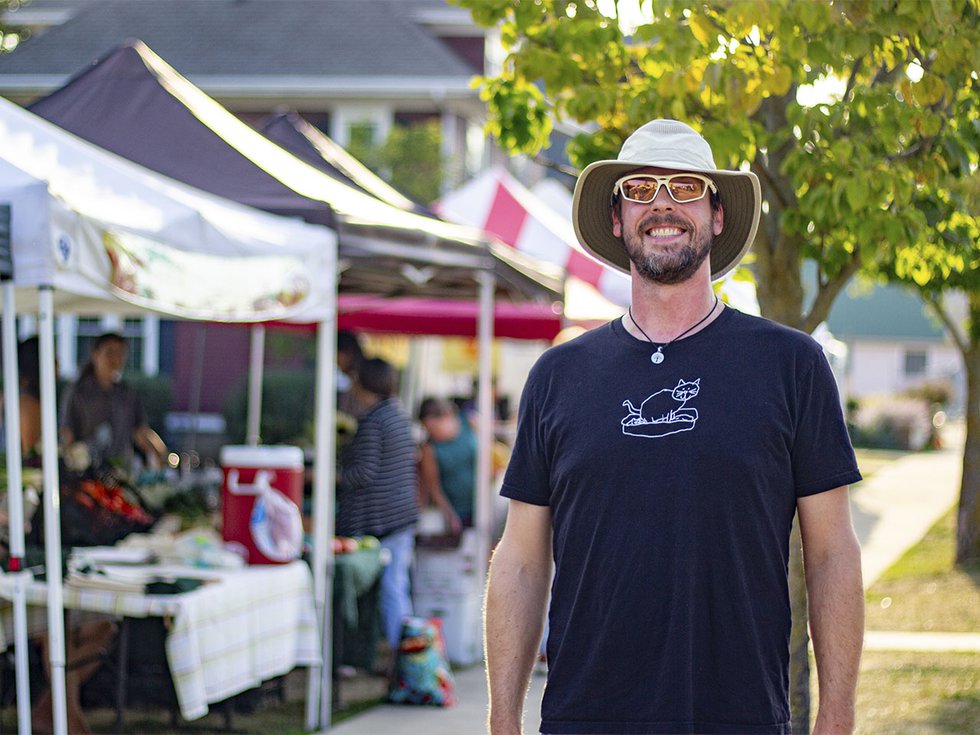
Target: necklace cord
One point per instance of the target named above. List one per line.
(702, 320)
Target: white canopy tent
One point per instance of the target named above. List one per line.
(91, 232)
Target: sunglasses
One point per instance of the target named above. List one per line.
(683, 188)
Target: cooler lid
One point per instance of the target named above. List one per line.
(264, 456)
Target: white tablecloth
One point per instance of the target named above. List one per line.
(225, 637)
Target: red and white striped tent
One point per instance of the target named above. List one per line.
(500, 205)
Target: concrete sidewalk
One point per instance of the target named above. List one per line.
(892, 511)
(894, 508)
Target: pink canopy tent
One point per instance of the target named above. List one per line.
(440, 317)
(359, 312)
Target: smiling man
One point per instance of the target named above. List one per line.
(658, 464)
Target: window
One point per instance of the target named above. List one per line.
(915, 363)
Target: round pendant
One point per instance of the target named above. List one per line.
(657, 357)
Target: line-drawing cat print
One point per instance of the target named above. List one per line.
(665, 412)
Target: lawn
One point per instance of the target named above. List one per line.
(913, 693)
(922, 591)
(923, 693)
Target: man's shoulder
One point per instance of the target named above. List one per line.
(759, 327)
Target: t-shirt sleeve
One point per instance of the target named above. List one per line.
(823, 458)
(528, 472)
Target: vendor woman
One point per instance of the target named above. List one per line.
(105, 413)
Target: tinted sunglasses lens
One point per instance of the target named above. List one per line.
(640, 190)
(686, 188)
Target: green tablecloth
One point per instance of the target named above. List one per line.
(357, 619)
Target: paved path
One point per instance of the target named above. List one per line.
(892, 511)
(894, 508)
(883, 640)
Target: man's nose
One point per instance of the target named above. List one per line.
(662, 200)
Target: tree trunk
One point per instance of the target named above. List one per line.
(780, 292)
(968, 516)
(779, 286)
(799, 639)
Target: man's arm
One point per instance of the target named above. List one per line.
(520, 575)
(832, 563)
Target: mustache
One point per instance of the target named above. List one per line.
(660, 220)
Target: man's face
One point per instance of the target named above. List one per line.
(667, 242)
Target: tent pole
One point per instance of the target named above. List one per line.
(197, 382)
(52, 509)
(256, 365)
(319, 704)
(15, 505)
(484, 501)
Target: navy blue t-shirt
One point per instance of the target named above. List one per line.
(672, 490)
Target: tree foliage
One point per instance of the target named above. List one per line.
(860, 118)
(842, 178)
(410, 159)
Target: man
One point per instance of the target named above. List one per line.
(659, 460)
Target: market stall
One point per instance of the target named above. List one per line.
(91, 232)
(133, 103)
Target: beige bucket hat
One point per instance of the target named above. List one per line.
(666, 144)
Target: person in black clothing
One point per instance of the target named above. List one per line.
(658, 463)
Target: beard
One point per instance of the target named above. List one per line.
(668, 267)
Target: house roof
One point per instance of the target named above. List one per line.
(216, 42)
(883, 312)
(137, 106)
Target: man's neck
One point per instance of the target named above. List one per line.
(665, 311)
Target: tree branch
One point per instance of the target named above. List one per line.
(555, 166)
(936, 305)
(820, 308)
(852, 78)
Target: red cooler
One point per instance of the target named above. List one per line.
(261, 498)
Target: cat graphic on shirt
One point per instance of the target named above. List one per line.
(663, 413)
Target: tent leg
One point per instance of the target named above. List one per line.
(256, 359)
(52, 506)
(15, 506)
(484, 500)
(319, 703)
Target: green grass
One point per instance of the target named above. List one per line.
(914, 693)
(905, 693)
(923, 591)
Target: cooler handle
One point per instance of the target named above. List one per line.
(261, 484)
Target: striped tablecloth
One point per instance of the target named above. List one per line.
(244, 626)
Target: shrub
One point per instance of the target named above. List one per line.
(156, 394)
(287, 408)
(891, 423)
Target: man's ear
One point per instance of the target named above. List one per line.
(718, 219)
(617, 225)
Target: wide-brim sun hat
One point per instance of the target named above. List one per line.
(668, 144)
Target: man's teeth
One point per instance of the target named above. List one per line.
(664, 231)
